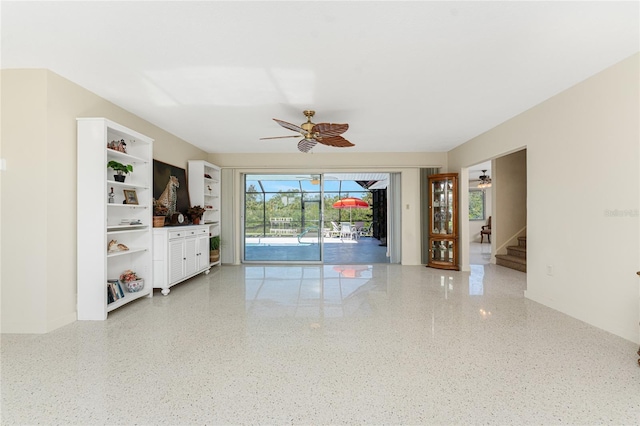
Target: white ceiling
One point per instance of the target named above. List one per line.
(405, 76)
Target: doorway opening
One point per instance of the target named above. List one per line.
(505, 211)
(480, 212)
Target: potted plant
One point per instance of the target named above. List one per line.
(195, 213)
(214, 247)
(159, 214)
(120, 169)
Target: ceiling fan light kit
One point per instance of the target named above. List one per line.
(324, 133)
(485, 181)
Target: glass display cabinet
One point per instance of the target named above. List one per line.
(443, 221)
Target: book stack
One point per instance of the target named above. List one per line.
(114, 291)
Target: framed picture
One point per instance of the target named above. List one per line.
(130, 196)
(170, 182)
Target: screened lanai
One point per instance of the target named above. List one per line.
(299, 218)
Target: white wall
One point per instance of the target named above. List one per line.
(38, 192)
(582, 165)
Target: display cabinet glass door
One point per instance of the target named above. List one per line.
(442, 203)
(443, 253)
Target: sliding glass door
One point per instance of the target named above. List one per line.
(282, 218)
(335, 218)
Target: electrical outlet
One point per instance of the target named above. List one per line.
(550, 270)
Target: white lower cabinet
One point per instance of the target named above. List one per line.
(179, 252)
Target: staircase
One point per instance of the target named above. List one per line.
(516, 257)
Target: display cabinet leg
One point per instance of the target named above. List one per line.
(207, 271)
(165, 291)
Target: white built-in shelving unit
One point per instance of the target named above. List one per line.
(101, 221)
(204, 190)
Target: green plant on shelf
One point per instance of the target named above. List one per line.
(120, 168)
(214, 243)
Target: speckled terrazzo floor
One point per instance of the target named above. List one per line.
(378, 344)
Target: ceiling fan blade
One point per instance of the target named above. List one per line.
(290, 126)
(305, 145)
(330, 129)
(337, 141)
(280, 137)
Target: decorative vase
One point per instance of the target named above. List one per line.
(119, 178)
(134, 286)
(196, 221)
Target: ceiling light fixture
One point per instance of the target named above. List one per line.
(485, 181)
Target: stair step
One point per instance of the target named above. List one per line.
(517, 251)
(522, 242)
(513, 262)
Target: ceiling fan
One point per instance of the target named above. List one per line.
(324, 133)
(484, 179)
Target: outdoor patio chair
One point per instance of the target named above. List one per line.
(335, 231)
(348, 231)
(366, 231)
(358, 226)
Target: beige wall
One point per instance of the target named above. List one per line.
(25, 205)
(582, 164)
(323, 162)
(38, 140)
(510, 201)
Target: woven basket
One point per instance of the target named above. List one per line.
(214, 256)
(158, 221)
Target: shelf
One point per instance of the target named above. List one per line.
(126, 229)
(133, 206)
(129, 297)
(99, 221)
(205, 191)
(125, 185)
(126, 252)
(111, 153)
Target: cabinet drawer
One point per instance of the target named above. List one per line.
(188, 233)
(177, 234)
(195, 232)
